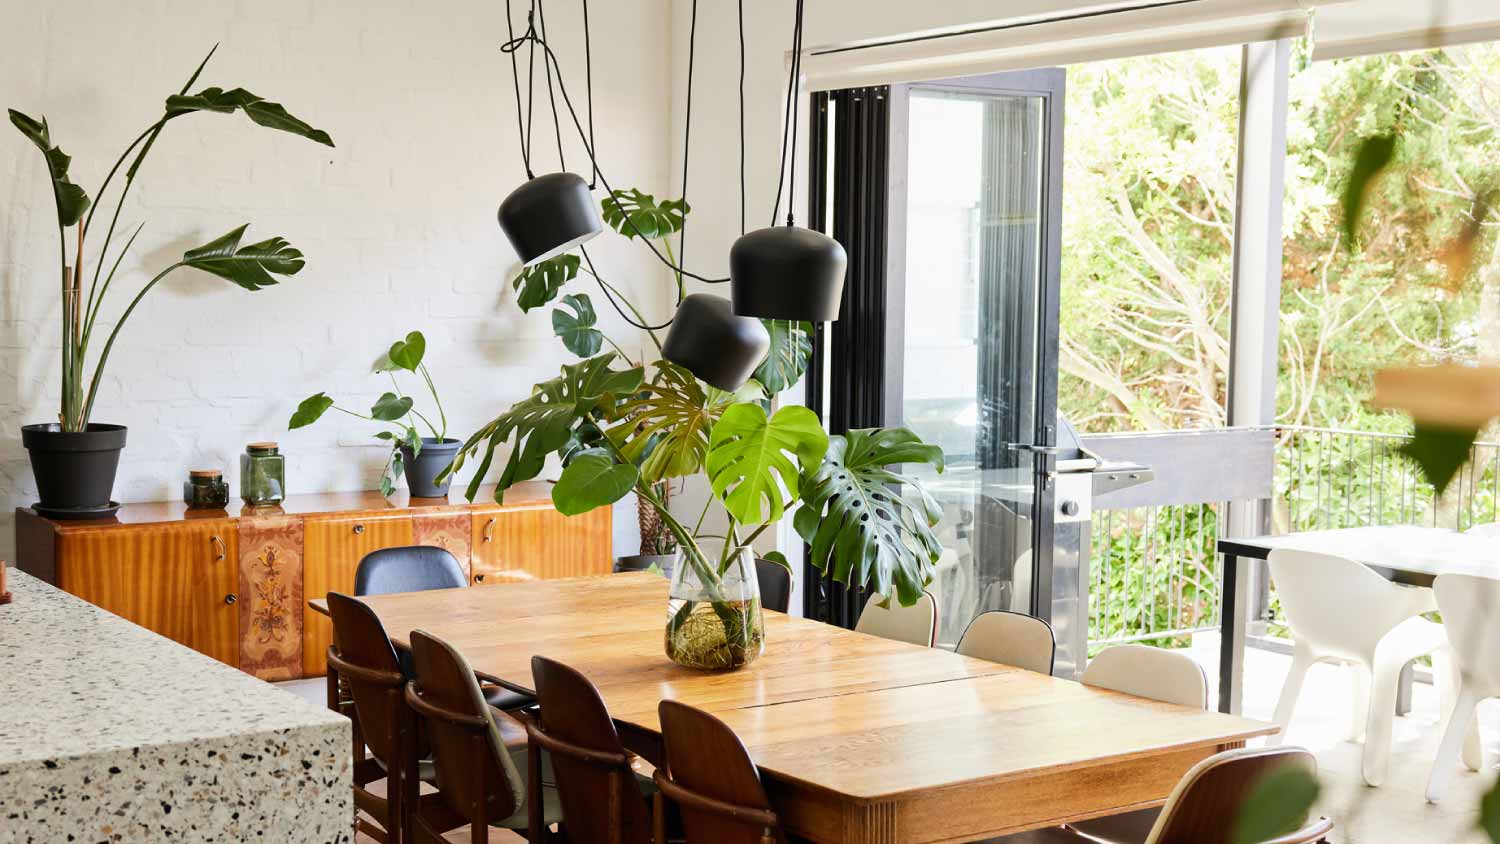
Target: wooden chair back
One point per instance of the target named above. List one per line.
(708, 773)
(595, 782)
(362, 663)
(1205, 806)
(476, 780)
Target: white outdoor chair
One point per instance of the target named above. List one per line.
(1010, 638)
(1155, 673)
(1469, 605)
(1340, 610)
(916, 624)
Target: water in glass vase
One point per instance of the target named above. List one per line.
(714, 621)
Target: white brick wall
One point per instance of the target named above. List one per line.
(397, 222)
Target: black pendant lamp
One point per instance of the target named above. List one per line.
(710, 341)
(787, 272)
(549, 215)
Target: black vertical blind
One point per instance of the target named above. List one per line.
(850, 131)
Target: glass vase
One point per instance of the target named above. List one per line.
(714, 620)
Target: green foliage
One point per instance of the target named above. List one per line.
(1370, 160)
(859, 526)
(538, 284)
(1489, 813)
(577, 329)
(546, 422)
(249, 266)
(390, 407)
(1279, 804)
(635, 214)
(310, 410)
(268, 114)
(749, 458)
(791, 349)
(1439, 452)
(404, 354)
(665, 429)
(70, 200)
(592, 479)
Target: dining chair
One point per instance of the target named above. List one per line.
(916, 624)
(1154, 673)
(775, 582)
(363, 658)
(1010, 638)
(479, 779)
(1488, 530)
(1206, 803)
(602, 797)
(710, 777)
(419, 568)
(1342, 611)
(1471, 616)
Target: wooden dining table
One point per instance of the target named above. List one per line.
(860, 740)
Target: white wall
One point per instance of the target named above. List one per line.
(397, 222)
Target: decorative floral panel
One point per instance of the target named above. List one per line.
(445, 529)
(271, 597)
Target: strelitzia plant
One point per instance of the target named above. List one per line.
(250, 266)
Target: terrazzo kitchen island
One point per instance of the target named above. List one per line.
(109, 732)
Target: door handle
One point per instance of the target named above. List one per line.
(489, 530)
(1034, 449)
(220, 552)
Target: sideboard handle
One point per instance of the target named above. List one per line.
(478, 578)
(231, 598)
(359, 528)
(220, 551)
(489, 530)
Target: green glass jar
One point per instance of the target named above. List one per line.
(205, 490)
(262, 474)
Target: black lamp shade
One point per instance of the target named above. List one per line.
(708, 340)
(787, 272)
(549, 215)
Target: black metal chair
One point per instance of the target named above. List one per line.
(775, 585)
(419, 568)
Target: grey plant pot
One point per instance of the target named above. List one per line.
(422, 470)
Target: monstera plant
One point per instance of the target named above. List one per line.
(620, 425)
(73, 458)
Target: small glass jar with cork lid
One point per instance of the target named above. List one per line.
(205, 490)
(262, 474)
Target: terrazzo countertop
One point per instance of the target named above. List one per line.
(109, 732)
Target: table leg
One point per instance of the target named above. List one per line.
(1403, 688)
(1232, 621)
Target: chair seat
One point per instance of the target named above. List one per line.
(1127, 828)
(505, 699)
(1045, 835)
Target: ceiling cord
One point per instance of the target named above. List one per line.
(515, 77)
(742, 114)
(687, 134)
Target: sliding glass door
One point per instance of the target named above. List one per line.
(971, 324)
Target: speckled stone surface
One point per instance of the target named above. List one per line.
(110, 733)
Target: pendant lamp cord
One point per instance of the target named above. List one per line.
(515, 77)
(687, 141)
(541, 19)
(588, 81)
(742, 113)
(789, 125)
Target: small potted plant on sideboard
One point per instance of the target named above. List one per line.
(420, 458)
(74, 459)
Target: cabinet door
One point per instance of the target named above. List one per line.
(539, 543)
(179, 580)
(331, 550)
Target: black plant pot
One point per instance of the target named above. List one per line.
(74, 470)
(422, 470)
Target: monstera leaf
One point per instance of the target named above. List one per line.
(791, 348)
(310, 410)
(633, 214)
(538, 284)
(404, 354)
(71, 200)
(546, 421)
(666, 429)
(592, 479)
(577, 328)
(248, 266)
(268, 114)
(750, 458)
(859, 525)
(390, 407)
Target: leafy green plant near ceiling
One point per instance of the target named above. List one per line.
(250, 266)
(394, 408)
(621, 425)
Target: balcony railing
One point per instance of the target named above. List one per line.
(1155, 576)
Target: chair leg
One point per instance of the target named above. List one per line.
(1459, 726)
(1385, 680)
(1360, 674)
(1302, 660)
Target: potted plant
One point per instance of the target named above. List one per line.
(74, 459)
(420, 458)
(616, 431)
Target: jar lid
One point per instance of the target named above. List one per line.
(261, 447)
(205, 473)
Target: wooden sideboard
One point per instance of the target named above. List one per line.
(235, 584)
